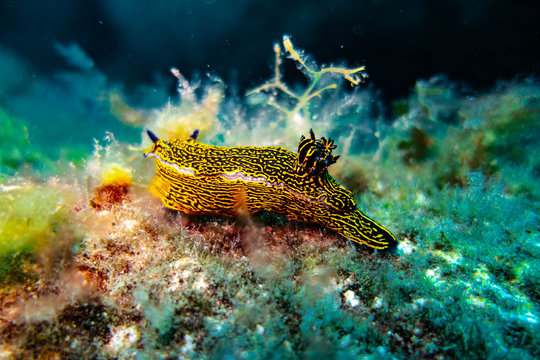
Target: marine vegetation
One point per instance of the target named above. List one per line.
(94, 266)
(197, 178)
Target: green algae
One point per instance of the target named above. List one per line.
(454, 176)
(32, 217)
(15, 147)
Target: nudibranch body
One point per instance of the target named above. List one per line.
(197, 178)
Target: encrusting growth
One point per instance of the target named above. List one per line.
(198, 178)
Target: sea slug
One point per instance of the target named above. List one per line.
(197, 178)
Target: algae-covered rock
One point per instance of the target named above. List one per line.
(32, 217)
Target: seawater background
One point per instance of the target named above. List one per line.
(440, 146)
(130, 45)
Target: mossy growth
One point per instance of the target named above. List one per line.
(463, 283)
(114, 187)
(443, 134)
(32, 216)
(418, 147)
(15, 147)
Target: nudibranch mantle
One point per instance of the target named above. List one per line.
(197, 178)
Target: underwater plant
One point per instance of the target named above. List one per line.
(114, 187)
(298, 104)
(456, 177)
(33, 217)
(15, 147)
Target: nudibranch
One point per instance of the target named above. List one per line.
(197, 178)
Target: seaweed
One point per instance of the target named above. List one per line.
(94, 267)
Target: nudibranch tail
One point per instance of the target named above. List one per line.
(356, 226)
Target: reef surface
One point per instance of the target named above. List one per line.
(93, 266)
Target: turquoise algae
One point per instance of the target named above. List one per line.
(93, 266)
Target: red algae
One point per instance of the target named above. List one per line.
(105, 196)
